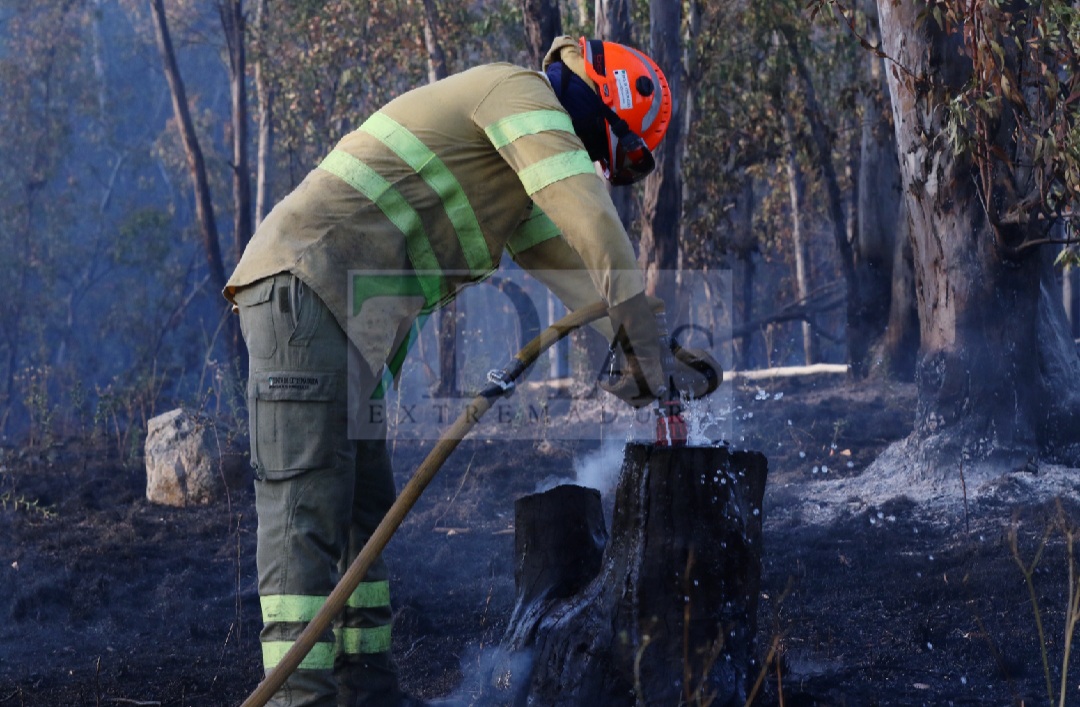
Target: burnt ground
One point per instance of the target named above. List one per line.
(106, 599)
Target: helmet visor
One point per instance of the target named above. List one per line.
(633, 161)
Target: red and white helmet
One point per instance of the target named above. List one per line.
(638, 98)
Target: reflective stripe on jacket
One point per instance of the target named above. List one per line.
(436, 186)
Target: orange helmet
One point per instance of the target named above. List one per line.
(638, 102)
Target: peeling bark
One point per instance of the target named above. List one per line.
(997, 379)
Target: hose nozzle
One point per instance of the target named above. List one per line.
(670, 425)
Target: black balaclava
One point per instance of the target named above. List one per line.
(585, 108)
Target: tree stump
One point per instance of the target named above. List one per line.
(667, 615)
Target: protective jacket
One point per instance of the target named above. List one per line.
(431, 190)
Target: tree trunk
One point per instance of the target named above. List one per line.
(858, 338)
(436, 57)
(662, 205)
(743, 245)
(543, 24)
(265, 96)
(746, 354)
(447, 387)
(234, 27)
(900, 346)
(796, 191)
(612, 21)
(204, 207)
(878, 205)
(613, 24)
(997, 374)
(559, 539)
(1070, 297)
(667, 614)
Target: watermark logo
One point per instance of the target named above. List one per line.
(422, 357)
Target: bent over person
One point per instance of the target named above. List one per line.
(431, 189)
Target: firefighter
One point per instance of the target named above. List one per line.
(431, 189)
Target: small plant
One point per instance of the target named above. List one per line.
(34, 384)
(775, 654)
(124, 407)
(33, 507)
(1069, 532)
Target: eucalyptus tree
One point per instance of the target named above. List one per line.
(772, 117)
(986, 120)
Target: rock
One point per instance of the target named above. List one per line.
(188, 461)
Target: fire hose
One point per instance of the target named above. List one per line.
(501, 383)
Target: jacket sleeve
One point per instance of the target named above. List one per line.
(534, 135)
(538, 247)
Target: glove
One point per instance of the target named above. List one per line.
(641, 379)
(697, 373)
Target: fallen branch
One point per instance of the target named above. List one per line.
(827, 298)
(788, 371)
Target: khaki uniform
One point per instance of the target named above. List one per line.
(431, 189)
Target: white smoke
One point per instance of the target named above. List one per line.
(600, 469)
(490, 676)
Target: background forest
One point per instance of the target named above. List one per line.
(890, 183)
(143, 141)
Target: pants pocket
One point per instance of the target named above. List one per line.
(298, 422)
(307, 311)
(255, 303)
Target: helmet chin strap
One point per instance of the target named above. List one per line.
(584, 106)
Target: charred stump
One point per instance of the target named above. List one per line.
(666, 615)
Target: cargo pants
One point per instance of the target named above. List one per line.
(318, 496)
